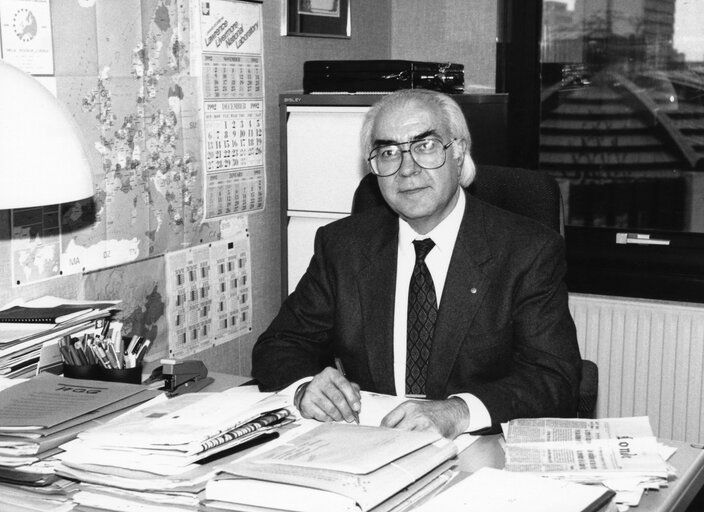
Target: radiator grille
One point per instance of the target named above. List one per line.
(650, 356)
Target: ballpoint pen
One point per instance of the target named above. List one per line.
(340, 368)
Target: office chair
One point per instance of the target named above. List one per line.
(529, 193)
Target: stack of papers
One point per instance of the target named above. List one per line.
(39, 414)
(621, 453)
(335, 466)
(162, 453)
(28, 327)
(55, 497)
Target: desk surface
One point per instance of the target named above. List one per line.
(223, 381)
(486, 451)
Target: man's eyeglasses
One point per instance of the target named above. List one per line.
(428, 153)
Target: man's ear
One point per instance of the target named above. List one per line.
(459, 151)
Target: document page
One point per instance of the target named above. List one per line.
(375, 406)
(347, 447)
(248, 492)
(494, 490)
(184, 422)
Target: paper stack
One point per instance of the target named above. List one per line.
(39, 414)
(335, 466)
(161, 455)
(621, 453)
(28, 327)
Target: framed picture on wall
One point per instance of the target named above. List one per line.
(316, 18)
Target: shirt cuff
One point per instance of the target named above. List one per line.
(479, 417)
(290, 390)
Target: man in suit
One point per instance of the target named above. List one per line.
(477, 323)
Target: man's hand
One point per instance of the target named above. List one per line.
(330, 397)
(447, 417)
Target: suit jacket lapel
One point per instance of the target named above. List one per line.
(465, 286)
(377, 286)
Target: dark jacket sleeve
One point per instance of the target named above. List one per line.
(297, 342)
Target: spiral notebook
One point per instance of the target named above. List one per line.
(49, 315)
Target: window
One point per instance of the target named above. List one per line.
(621, 127)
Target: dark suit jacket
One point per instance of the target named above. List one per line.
(503, 333)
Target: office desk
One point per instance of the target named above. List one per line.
(223, 381)
(688, 461)
(486, 451)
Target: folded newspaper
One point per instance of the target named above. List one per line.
(585, 450)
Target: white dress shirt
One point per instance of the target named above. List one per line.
(438, 261)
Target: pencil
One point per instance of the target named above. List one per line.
(340, 368)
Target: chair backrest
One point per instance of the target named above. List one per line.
(529, 193)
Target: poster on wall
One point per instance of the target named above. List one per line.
(25, 30)
(210, 292)
(233, 107)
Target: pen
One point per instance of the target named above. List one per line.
(338, 365)
(142, 351)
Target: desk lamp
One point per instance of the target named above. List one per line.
(42, 160)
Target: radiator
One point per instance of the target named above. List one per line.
(650, 356)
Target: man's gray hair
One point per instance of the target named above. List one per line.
(450, 114)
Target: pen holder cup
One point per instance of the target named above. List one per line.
(97, 372)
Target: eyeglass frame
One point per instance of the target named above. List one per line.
(409, 142)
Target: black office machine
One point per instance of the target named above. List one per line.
(330, 76)
(184, 376)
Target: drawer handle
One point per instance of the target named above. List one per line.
(639, 238)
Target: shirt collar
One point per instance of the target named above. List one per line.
(444, 234)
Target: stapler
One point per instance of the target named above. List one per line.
(184, 376)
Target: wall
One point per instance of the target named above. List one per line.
(461, 31)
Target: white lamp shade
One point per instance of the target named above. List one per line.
(42, 160)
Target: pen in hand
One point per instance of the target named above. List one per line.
(340, 368)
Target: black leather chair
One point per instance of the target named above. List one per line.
(529, 193)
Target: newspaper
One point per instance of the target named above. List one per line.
(585, 450)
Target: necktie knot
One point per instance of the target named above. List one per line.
(422, 248)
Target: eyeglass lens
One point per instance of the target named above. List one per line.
(427, 153)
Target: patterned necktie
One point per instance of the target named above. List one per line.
(422, 313)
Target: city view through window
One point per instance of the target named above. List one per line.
(622, 111)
